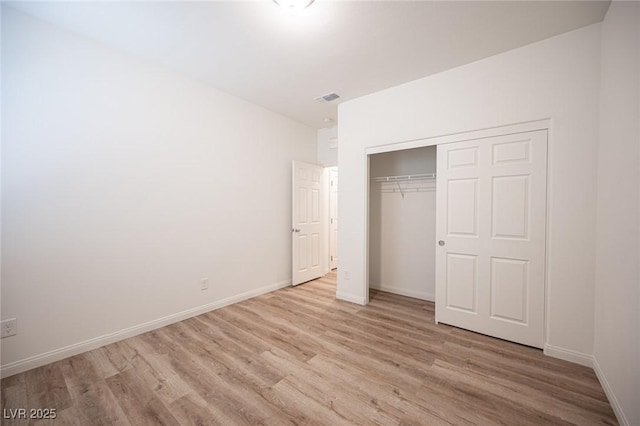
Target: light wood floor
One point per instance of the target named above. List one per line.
(298, 356)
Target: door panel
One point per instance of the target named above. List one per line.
(315, 205)
(462, 214)
(510, 207)
(491, 212)
(509, 282)
(462, 277)
(303, 216)
(462, 157)
(511, 152)
(307, 222)
(303, 246)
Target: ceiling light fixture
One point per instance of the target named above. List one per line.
(293, 4)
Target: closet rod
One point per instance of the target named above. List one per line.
(422, 176)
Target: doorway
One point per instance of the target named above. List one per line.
(333, 218)
(402, 222)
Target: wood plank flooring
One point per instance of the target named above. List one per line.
(298, 356)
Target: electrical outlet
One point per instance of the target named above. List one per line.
(204, 284)
(347, 275)
(8, 328)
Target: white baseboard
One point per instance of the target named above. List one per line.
(590, 361)
(431, 297)
(615, 404)
(78, 348)
(568, 355)
(351, 298)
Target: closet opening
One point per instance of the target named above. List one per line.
(476, 246)
(402, 223)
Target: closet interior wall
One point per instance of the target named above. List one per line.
(402, 223)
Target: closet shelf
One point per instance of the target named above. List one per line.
(405, 190)
(423, 176)
(424, 182)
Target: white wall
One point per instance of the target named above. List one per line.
(558, 79)
(617, 301)
(327, 155)
(124, 184)
(403, 162)
(402, 230)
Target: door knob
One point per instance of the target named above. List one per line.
(440, 243)
(295, 230)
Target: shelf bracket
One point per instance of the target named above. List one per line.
(400, 189)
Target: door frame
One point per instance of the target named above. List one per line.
(329, 185)
(541, 124)
(326, 211)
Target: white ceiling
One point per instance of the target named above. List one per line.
(252, 49)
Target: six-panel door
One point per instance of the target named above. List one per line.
(490, 223)
(307, 226)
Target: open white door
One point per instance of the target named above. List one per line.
(307, 226)
(490, 227)
(333, 219)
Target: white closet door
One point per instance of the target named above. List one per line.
(490, 226)
(307, 226)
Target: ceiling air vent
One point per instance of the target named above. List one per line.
(327, 98)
